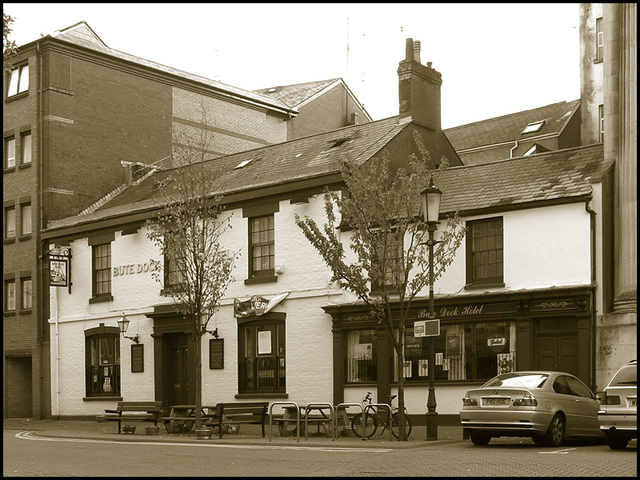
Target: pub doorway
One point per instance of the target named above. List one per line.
(179, 367)
(558, 345)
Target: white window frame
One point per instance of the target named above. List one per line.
(18, 80)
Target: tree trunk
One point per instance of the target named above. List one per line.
(198, 360)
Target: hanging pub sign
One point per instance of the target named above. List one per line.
(59, 267)
(256, 305)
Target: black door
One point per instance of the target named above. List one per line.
(179, 370)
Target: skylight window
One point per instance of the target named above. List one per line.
(533, 127)
(531, 151)
(243, 164)
(340, 141)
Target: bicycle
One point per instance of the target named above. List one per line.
(372, 420)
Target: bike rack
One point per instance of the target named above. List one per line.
(297, 420)
(344, 405)
(374, 406)
(319, 406)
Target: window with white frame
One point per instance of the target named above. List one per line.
(18, 80)
(25, 219)
(599, 40)
(9, 152)
(9, 223)
(9, 295)
(25, 148)
(26, 296)
(601, 122)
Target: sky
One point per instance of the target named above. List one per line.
(495, 59)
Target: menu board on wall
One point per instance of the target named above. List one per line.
(137, 358)
(216, 353)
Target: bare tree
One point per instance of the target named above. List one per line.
(380, 210)
(188, 230)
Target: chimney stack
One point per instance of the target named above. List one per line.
(419, 89)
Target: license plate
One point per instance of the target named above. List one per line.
(495, 401)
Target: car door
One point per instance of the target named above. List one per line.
(588, 407)
(566, 401)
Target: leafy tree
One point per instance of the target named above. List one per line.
(188, 229)
(380, 210)
(8, 46)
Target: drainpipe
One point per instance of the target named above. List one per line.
(57, 319)
(592, 230)
(512, 149)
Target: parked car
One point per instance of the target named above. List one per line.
(618, 415)
(549, 407)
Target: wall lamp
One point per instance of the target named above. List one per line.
(123, 323)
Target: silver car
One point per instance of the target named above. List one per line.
(618, 415)
(549, 407)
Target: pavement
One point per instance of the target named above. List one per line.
(246, 434)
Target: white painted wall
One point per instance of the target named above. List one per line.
(544, 247)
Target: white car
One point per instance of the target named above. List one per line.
(618, 415)
(549, 407)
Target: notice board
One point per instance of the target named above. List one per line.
(137, 358)
(216, 353)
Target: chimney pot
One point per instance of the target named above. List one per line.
(416, 51)
(409, 49)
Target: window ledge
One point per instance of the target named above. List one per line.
(106, 298)
(25, 311)
(9, 170)
(265, 279)
(97, 399)
(170, 291)
(478, 286)
(598, 60)
(25, 237)
(8, 313)
(7, 241)
(17, 96)
(262, 395)
(24, 165)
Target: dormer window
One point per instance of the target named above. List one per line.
(533, 127)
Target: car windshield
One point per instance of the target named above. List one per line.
(626, 376)
(528, 380)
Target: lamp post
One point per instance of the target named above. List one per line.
(123, 323)
(431, 211)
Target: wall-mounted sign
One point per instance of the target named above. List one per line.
(426, 328)
(135, 268)
(496, 342)
(137, 358)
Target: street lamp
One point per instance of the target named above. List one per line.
(123, 323)
(431, 211)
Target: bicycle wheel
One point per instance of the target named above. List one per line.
(395, 425)
(370, 425)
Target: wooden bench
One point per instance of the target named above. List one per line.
(238, 413)
(134, 411)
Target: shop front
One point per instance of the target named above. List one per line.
(480, 336)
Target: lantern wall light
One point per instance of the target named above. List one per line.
(123, 323)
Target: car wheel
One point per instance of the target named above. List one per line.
(480, 439)
(616, 442)
(555, 433)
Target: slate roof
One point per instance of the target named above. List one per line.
(508, 128)
(508, 183)
(504, 184)
(294, 95)
(287, 162)
(81, 34)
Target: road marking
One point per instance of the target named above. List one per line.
(34, 436)
(564, 451)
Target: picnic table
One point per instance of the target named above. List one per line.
(182, 418)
